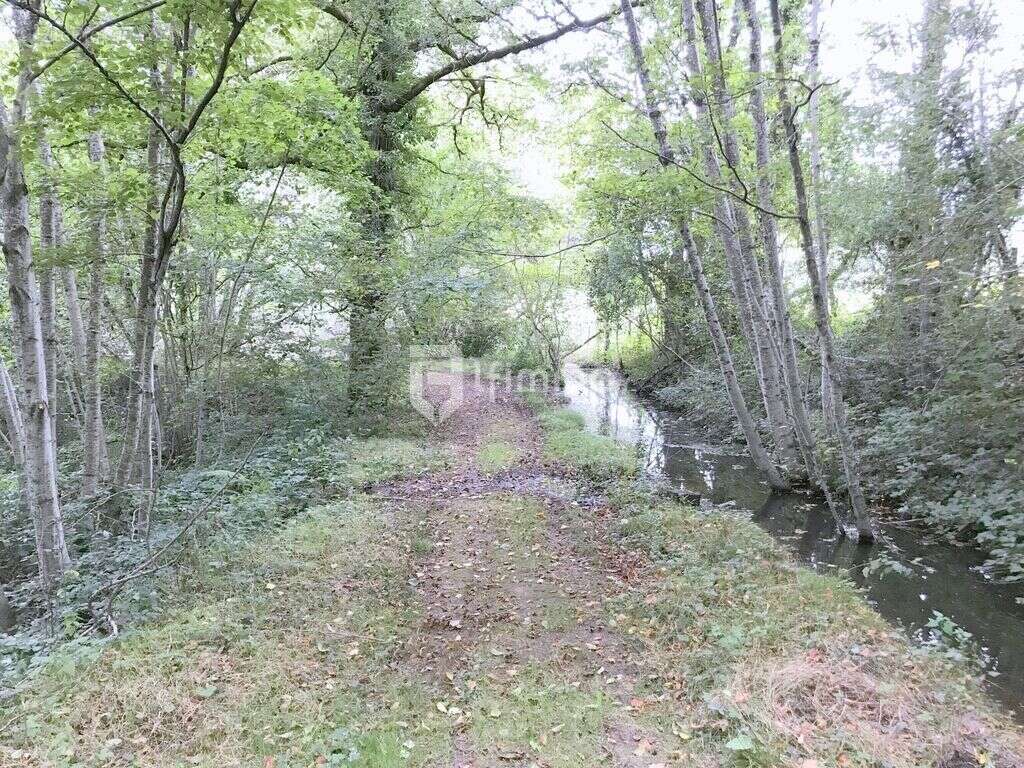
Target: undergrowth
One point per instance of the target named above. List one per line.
(239, 497)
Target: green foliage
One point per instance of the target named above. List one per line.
(954, 641)
(304, 459)
(955, 447)
(702, 398)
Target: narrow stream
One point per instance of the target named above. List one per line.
(939, 576)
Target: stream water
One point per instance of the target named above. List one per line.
(932, 575)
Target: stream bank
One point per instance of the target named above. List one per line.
(910, 576)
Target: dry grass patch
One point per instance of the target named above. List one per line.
(782, 666)
(879, 705)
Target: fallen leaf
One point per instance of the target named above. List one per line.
(643, 749)
(740, 743)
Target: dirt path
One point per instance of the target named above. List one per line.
(514, 580)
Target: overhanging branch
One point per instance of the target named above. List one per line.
(483, 57)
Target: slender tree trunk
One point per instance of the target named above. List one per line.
(8, 616)
(920, 162)
(12, 415)
(822, 320)
(770, 239)
(50, 238)
(691, 254)
(26, 316)
(16, 431)
(76, 319)
(145, 318)
(814, 152)
(95, 435)
(48, 319)
(764, 333)
(210, 322)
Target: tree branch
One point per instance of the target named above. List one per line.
(338, 13)
(83, 36)
(104, 72)
(483, 57)
(697, 177)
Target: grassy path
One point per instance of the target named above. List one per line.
(507, 596)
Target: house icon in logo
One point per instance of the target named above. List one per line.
(435, 381)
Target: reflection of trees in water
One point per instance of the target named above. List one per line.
(809, 530)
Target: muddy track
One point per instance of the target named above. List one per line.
(514, 580)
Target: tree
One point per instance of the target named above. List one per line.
(819, 290)
(390, 92)
(39, 475)
(688, 248)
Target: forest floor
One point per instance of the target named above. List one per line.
(515, 598)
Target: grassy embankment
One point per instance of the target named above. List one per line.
(639, 632)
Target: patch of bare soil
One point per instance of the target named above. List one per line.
(514, 577)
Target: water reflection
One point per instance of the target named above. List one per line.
(939, 577)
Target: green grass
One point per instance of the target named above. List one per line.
(761, 648)
(261, 651)
(566, 440)
(539, 712)
(282, 650)
(291, 648)
(379, 459)
(496, 455)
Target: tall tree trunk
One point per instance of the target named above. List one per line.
(48, 320)
(26, 315)
(814, 152)
(50, 238)
(920, 162)
(370, 378)
(770, 239)
(76, 320)
(691, 254)
(851, 463)
(95, 448)
(766, 336)
(145, 320)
